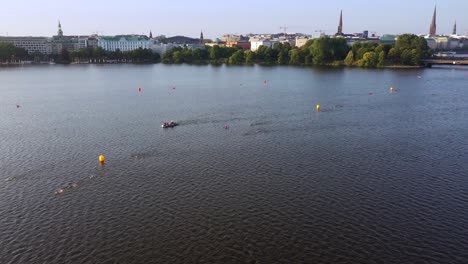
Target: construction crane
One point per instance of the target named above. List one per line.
(321, 31)
(285, 29)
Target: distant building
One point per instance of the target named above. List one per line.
(255, 43)
(123, 43)
(443, 42)
(388, 39)
(92, 42)
(231, 38)
(301, 41)
(61, 42)
(216, 42)
(244, 44)
(158, 47)
(31, 44)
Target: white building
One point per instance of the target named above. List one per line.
(123, 43)
(301, 41)
(443, 42)
(31, 44)
(255, 43)
(159, 47)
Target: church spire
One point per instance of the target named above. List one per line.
(201, 37)
(340, 24)
(433, 28)
(454, 32)
(151, 35)
(59, 32)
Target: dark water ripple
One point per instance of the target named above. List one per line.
(375, 178)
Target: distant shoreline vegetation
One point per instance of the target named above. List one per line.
(408, 51)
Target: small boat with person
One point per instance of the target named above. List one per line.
(169, 124)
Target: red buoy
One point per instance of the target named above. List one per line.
(139, 90)
(265, 82)
(18, 106)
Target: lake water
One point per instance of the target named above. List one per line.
(374, 177)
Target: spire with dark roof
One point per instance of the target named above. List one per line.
(454, 31)
(340, 25)
(59, 32)
(201, 37)
(151, 35)
(433, 28)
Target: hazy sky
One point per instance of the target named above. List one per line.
(217, 17)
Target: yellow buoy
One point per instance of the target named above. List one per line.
(102, 159)
(391, 89)
(317, 107)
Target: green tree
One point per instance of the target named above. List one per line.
(199, 55)
(237, 58)
(309, 59)
(320, 51)
(215, 53)
(416, 56)
(282, 58)
(412, 49)
(406, 57)
(349, 61)
(249, 57)
(64, 56)
(294, 57)
(360, 52)
(392, 55)
(339, 48)
(369, 59)
(381, 62)
(8, 52)
(178, 56)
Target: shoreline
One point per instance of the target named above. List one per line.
(214, 64)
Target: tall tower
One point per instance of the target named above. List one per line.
(59, 32)
(340, 25)
(433, 28)
(151, 35)
(454, 31)
(201, 37)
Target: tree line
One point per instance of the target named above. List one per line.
(408, 50)
(10, 53)
(99, 54)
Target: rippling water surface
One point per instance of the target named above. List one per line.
(375, 177)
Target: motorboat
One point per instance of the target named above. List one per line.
(169, 124)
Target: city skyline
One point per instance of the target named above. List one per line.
(216, 19)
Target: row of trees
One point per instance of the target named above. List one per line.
(408, 50)
(10, 53)
(98, 54)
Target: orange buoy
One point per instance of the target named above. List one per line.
(317, 107)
